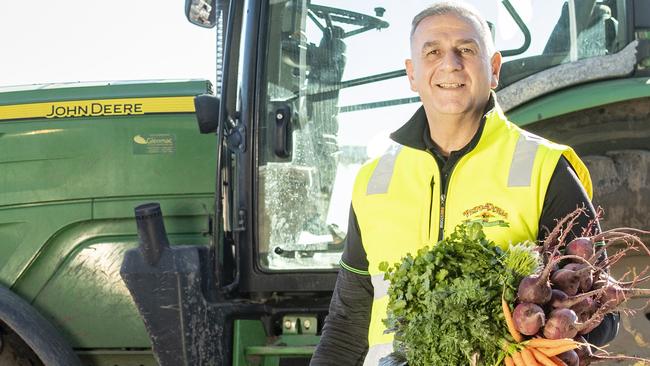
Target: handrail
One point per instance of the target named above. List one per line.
(522, 26)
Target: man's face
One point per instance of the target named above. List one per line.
(450, 67)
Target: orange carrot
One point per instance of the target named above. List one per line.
(558, 361)
(511, 324)
(549, 343)
(518, 359)
(508, 361)
(557, 350)
(528, 357)
(542, 358)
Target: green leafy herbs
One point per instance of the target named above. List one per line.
(445, 303)
(522, 259)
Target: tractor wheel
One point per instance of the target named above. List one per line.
(614, 142)
(14, 351)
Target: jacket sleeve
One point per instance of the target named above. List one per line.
(344, 339)
(564, 194)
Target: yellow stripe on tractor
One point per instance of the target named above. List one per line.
(99, 107)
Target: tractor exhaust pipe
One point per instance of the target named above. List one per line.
(151, 232)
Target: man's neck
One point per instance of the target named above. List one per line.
(452, 132)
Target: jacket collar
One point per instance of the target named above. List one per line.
(415, 132)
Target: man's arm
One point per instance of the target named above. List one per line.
(564, 194)
(344, 339)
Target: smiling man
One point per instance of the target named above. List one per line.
(453, 67)
(457, 159)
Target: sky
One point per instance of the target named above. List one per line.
(46, 41)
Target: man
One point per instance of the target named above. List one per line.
(456, 159)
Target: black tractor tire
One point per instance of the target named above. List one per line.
(622, 187)
(14, 351)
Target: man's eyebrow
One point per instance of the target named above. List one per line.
(467, 41)
(432, 44)
(429, 44)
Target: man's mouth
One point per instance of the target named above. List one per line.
(450, 85)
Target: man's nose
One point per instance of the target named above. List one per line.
(452, 61)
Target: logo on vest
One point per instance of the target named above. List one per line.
(487, 214)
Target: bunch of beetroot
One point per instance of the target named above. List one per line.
(573, 291)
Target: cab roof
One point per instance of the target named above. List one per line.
(37, 93)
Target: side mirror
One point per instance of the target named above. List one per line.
(201, 12)
(207, 112)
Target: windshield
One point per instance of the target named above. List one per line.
(335, 67)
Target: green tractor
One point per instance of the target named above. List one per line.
(129, 238)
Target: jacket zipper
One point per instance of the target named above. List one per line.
(430, 205)
(445, 177)
(441, 228)
(444, 186)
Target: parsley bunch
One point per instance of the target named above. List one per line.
(445, 303)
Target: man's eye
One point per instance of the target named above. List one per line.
(466, 50)
(433, 52)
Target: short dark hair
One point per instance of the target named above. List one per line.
(459, 9)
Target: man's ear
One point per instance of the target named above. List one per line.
(496, 70)
(408, 63)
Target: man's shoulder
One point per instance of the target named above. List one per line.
(389, 152)
(531, 137)
(555, 153)
(379, 169)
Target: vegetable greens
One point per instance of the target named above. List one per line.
(445, 303)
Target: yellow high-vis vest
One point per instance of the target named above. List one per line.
(399, 206)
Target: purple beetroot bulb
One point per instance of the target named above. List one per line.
(566, 280)
(570, 358)
(582, 247)
(534, 289)
(529, 318)
(557, 297)
(561, 323)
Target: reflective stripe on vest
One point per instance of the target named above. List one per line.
(523, 159)
(380, 179)
(396, 198)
